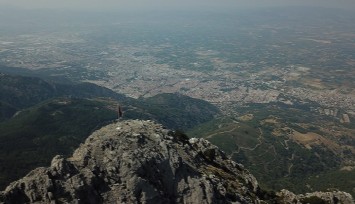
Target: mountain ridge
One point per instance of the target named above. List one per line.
(137, 161)
(26, 91)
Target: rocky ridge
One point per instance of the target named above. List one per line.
(138, 161)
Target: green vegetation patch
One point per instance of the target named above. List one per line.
(36, 135)
(276, 160)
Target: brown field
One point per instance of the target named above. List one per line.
(315, 83)
(246, 117)
(277, 132)
(269, 120)
(310, 138)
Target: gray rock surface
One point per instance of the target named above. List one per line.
(335, 197)
(142, 162)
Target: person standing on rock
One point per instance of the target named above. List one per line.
(119, 112)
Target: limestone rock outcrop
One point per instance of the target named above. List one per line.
(138, 161)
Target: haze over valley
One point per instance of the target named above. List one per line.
(278, 79)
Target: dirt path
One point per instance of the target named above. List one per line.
(217, 133)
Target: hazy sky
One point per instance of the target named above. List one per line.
(170, 4)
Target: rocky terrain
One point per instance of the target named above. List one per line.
(138, 161)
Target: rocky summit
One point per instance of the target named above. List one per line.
(142, 162)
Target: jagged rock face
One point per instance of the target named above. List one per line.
(141, 162)
(137, 162)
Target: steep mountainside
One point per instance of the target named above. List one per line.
(141, 162)
(175, 110)
(19, 92)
